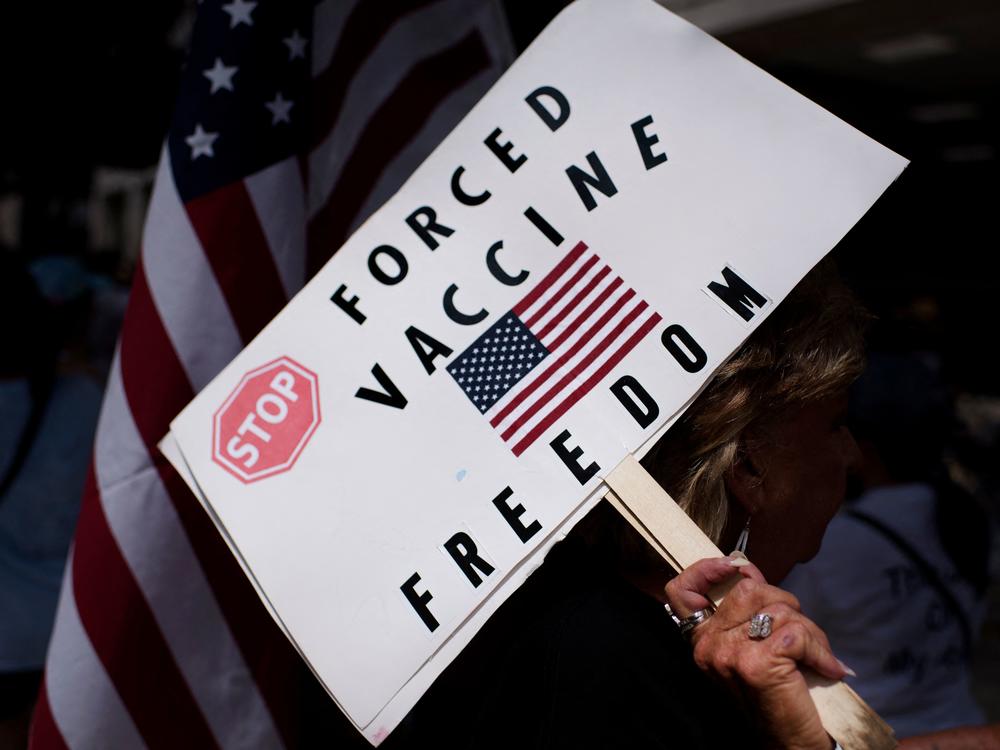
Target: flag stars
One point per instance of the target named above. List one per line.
(296, 44)
(201, 142)
(496, 362)
(221, 76)
(239, 12)
(280, 109)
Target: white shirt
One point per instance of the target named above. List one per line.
(885, 621)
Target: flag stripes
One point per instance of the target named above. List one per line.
(220, 680)
(425, 34)
(565, 358)
(132, 655)
(563, 290)
(582, 346)
(85, 707)
(147, 386)
(583, 362)
(177, 272)
(582, 390)
(595, 304)
(155, 385)
(272, 662)
(575, 302)
(363, 29)
(550, 278)
(160, 640)
(416, 98)
(279, 201)
(230, 234)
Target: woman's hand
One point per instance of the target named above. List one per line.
(765, 673)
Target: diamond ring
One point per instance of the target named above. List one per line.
(760, 626)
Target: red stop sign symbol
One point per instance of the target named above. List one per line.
(264, 424)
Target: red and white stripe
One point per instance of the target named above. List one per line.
(160, 640)
(588, 320)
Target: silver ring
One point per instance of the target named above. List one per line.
(696, 618)
(760, 626)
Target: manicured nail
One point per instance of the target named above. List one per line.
(847, 669)
(737, 559)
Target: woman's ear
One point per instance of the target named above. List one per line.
(745, 479)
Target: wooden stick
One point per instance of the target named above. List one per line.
(669, 530)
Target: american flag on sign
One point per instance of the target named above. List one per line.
(295, 120)
(552, 348)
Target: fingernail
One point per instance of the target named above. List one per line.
(737, 559)
(847, 669)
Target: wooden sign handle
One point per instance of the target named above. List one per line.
(669, 530)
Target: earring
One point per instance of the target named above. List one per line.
(744, 537)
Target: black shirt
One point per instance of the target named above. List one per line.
(577, 657)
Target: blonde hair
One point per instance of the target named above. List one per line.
(810, 348)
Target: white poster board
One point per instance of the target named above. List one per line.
(394, 453)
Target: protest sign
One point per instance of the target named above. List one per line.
(392, 456)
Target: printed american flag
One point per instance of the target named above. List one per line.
(543, 356)
(295, 120)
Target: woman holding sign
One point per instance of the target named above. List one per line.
(760, 462)
(585, 655)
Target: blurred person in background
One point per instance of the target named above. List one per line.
(49, 401)
(899, 582)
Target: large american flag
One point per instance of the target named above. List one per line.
(295, 120)
(539, 359)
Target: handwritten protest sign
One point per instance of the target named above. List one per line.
(395, 452)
